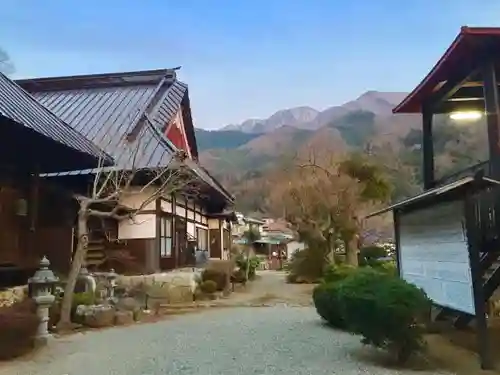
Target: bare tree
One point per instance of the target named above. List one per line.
(323, 198)
(112, 187)
(6, 65)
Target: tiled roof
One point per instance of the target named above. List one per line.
(21, 107)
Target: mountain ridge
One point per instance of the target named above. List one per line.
(306, 117)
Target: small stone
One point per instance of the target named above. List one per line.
(99, 316)
(124, 318)
(128, 304)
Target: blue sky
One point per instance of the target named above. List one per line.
(243, 58)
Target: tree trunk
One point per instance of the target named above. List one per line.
(76, 265)
(247, 270)
(351, 251)
(331, 250)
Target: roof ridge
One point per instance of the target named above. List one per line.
(135, 129)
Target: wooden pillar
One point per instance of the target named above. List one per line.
(427, 149)
(483, 339)
(157, 240)
(175, 240)
(492, 108)
(397, 242)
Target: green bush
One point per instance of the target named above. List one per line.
(241, 263)
(19, 324)
(215, 275)
(334, 273)
(385, 266)
(372, 252)
(208, 286)
(385, 310)
(85, 298)
(326, 301)
(307, 265)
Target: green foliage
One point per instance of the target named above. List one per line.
(385, 310)
(372, 252)
(19, 324)
(219, 277)
(376, 186)
(307, 265)
(335, 273)
(251, 236)
(85, 298)
(253, 264)
(327, 303)
(387, 267)
(208, 286)
(369, 255)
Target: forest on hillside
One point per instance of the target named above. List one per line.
(457, 146)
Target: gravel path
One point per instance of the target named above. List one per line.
(273, 340)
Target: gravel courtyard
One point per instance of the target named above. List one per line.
(286, 337)
(273, 340)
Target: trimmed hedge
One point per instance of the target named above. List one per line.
(325, 298)
(384, 309)
(208, 286)
(335, 273)
(219, 277)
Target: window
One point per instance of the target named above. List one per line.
(202, 237)
(166, 237)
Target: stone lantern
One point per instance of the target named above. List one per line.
(41, 285)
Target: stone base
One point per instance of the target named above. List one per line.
(41, 341)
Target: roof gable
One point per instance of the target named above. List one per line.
(111, 111)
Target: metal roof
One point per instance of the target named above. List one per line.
(123, 113)
(107, 115)
(21, 107)
(485, 181)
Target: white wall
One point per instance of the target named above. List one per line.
(143, 226)
(434, 255)
(134, 198)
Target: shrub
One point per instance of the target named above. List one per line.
(307, 264)
(217, 276)
(19, 324)
(253, 264)
(208, 286)
(387, 267)
(372, 252)
(326, 301)
(334, 273)
(239, 276)
(83, 298)
(385, 310)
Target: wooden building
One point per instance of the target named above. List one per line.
(33, 140)
(148, 112)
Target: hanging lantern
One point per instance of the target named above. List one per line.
(22, 207)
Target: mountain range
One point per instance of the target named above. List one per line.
(234, 150)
